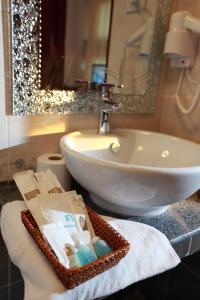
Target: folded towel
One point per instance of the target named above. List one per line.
(150, 254)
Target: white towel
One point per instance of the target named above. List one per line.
(150, 254)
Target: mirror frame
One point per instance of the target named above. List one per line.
(22, 41)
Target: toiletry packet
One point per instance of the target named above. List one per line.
(34, 207)
(50, 205)
(58, 209)
(68, 208)
(27, 184)
(81, 215)
(48, 182)
(57, 236)
(33, 184)
(43, 203)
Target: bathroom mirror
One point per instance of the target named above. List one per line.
(121, 43)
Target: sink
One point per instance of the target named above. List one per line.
(133, 172)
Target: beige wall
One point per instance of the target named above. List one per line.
(172, 120)
(28, 137)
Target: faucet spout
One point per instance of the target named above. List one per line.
(107, 106)
(104, 127)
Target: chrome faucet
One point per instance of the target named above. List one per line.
(107, 105)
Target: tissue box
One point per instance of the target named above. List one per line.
(73, 277)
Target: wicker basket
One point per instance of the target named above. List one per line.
(73, 277)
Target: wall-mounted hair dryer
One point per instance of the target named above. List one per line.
(181, 48)
(181, 40)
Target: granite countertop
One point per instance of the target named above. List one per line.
(180, 223)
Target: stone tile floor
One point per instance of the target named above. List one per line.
(11, 282)
(183, 282)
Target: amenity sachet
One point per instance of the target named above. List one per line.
(61, 217)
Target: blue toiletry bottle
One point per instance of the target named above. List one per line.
(101, 247)
(85, 255)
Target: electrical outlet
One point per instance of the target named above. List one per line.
(19, 163)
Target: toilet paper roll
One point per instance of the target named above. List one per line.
(56, 163)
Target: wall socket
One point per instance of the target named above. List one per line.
(20, 163)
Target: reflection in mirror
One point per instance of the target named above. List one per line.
(130, 50)
(126, 39)
(75, 40)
